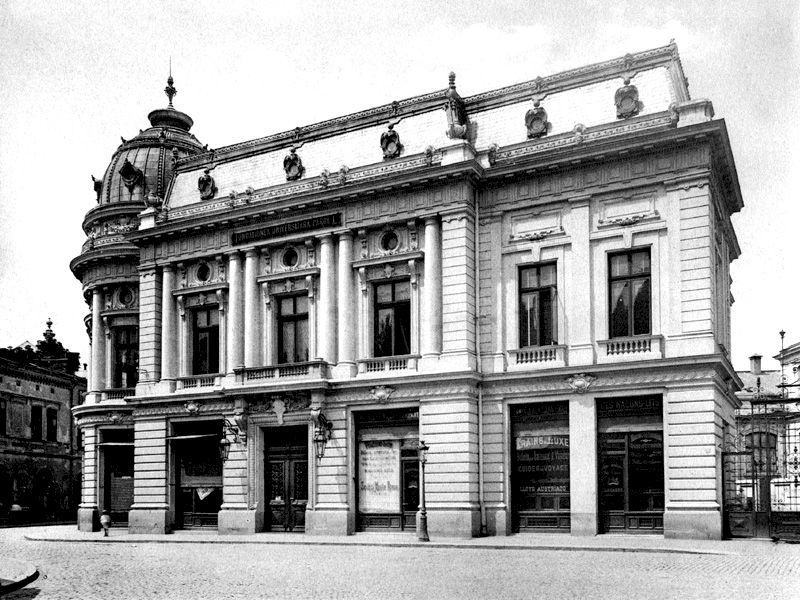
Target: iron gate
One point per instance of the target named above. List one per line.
(761, 470)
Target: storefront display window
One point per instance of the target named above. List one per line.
(541, 487)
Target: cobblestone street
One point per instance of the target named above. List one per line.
(197, 570)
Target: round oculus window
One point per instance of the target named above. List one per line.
(290, 257)
(126, 296)
(203, 272)
(389, 241)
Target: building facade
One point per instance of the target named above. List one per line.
(40, 459)
(534, 281)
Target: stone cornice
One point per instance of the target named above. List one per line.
(316, 199)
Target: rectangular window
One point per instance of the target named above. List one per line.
(629, 293)
(52, 424)
(126, 356)
(537, 306)
(293, 329)
(36, 423)
(2, 418)
(205, 341)
(392, 319)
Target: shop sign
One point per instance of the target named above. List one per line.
(379, 476)
(536, 442)
(629, 407)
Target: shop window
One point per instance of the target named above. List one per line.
(36, 423)
(293, 329)
(537, 305)
(126, 356)
(52, 424)
(629, 293)
(392, 318)
(205, 341)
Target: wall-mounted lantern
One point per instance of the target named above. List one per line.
(237, 429)
(322, 431)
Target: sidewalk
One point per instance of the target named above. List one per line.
(526, 541)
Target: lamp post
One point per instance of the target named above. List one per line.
(422, 513)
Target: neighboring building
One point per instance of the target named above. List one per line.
(762, 451)
(533, 280)
(40, 459)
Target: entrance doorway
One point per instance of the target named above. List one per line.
(198, 477)
(630, 460)
(117, 448)
(286, 477)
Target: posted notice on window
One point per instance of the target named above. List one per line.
(379, 476)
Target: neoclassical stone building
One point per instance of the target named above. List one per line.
(532, 280)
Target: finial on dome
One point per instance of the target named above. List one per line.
(170, 90)
(452, 80)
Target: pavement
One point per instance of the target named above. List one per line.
(522, 541)
(203, 564)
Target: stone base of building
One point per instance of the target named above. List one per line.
(329, 522)
(233, 521)
(88, 519)
(464, 523)
(693, 524)
(149, 520)
(497, 521)
(583, 523)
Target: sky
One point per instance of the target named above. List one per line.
(75, 76)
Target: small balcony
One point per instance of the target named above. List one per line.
(628, 349)
(312, 370)
(537, 357)
(116, 394)
(386, 365)
(198, 381)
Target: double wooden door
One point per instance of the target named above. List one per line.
(286, 479)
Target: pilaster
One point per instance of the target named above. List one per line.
(98, 344)
(169, 326)
(326, 322)
(431, 317)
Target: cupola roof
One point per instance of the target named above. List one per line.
(143, 165)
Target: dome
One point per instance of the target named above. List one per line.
(144, 164)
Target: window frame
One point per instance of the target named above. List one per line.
(51, 415)
(629, 278)
(130, 347)
(214, 348)
(393, 305)
(553, 312)
(295, 318)
(36, 424)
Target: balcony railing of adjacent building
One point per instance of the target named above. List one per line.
(317, 369)
(198, 381)
(539, 357)
(388, 364)
(640, 347)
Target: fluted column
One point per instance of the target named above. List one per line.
(327, 302)
(346, 305)
(169, 333)
(235, 310)
(252, 313)
(431, 317)
(98, 343)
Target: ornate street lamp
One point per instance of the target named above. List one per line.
(422, 514)
(322, 431)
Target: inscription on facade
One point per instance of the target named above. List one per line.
(263, 233)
